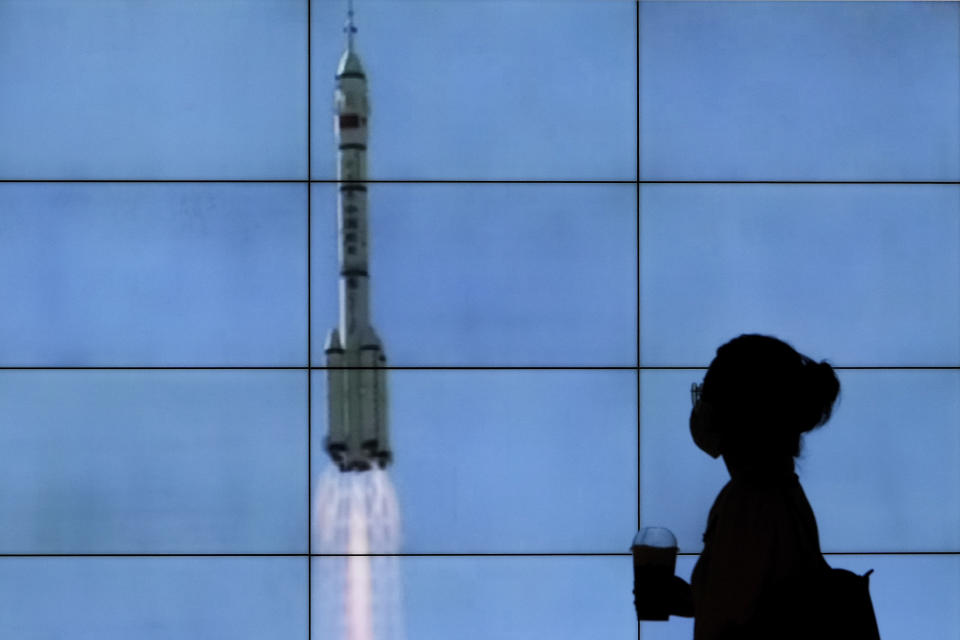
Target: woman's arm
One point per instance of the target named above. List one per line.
(737, 558)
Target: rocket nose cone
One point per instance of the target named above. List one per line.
(349, 63)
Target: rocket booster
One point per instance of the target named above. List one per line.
(357, 437)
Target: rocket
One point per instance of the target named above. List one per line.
(357, 436)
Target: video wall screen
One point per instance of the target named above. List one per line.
(378, 320)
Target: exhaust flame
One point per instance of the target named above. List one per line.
(358, 595)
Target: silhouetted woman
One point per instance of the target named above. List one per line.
(758, 396)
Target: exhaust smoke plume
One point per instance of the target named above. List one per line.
(357, 596)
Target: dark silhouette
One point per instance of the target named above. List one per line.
(761, 573)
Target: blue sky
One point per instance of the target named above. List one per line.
(89, 598)
(111, 89)
(491, 275)
(466, 275)
(860, 274)
(799, 91)
(153, 274)
(153, 461)
(486, 90)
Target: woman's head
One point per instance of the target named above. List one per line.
(759, 395)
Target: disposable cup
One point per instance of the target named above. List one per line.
(654, 563)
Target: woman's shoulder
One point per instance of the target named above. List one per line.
(745, 491)
(751, 509)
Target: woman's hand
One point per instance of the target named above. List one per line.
(680, 598)
(677, 597)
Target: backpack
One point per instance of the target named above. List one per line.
(826, 605)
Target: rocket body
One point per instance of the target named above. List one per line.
(357, 437)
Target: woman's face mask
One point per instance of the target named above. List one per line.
(703, 429)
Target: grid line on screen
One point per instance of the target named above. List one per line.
(636, 44)
(301, 181)
(835, 368)
(808, 182)
(637, 256)
(685, 367)
(309, 324)
(468, 181)
(498, 554)
(466, 554)
(319, 368)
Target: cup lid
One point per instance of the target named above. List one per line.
(654, 537)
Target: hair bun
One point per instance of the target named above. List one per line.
(822, 390)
